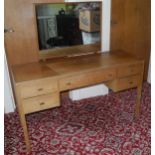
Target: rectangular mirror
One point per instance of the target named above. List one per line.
(64, 28)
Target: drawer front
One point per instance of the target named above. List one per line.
(41, 102)
(126, 83)
(38, 87)
(86, 79)
(129, 70)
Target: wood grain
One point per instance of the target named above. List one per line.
(38, 90)
(72, 51)
(86, 79)
(124, 83)
(22, 117)
(130, 70)
(42, 102)
(117, 24)
(71, 66)
(38, 87)
(131, 30)
(20, 45)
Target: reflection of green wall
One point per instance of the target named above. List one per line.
(51, 9)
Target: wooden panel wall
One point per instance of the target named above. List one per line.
(20, 45)
(131, 28)
(117, 23)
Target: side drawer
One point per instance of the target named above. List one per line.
(86, 79)
(41, 102)
(130, 70)
(38, 87)
(125, 83)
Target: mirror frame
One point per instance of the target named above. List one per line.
(70, 51)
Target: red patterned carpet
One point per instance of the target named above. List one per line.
(96, 126)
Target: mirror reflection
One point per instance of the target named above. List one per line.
(63, 25)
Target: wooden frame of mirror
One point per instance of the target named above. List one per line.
(69, 51)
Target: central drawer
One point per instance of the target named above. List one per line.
(40, 102)
(38, 87)
(86, 79)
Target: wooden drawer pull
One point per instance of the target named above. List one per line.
(68, 83)
(40, 89)
(131, 82)
(42, 103)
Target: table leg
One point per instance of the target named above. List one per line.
(138, 100)
(22, 117)
(25, 129)
(139, 93)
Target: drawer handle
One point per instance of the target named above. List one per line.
(42, 103)
(40, 89)
(131, 82)
(68, 83)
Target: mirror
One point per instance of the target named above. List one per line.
(64, 25)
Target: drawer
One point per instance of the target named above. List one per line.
(129, 70)
(86, 79)
(38, 87)
(41, 102)
(125, 83)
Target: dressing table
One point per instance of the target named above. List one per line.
(38, 85)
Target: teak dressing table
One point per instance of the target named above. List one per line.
(38, 85)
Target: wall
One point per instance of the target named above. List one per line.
(9, 105)
(47, 10)
(149, 73)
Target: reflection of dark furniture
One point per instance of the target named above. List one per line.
(56, 41)
(68, 29)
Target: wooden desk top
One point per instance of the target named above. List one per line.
(71, 65)
(38, 85)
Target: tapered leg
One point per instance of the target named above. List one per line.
(22, 117)
(139, 92)
(138, 100)
(25, 129)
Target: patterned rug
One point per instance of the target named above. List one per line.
(102, 125)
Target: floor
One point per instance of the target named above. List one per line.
(102, 125)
